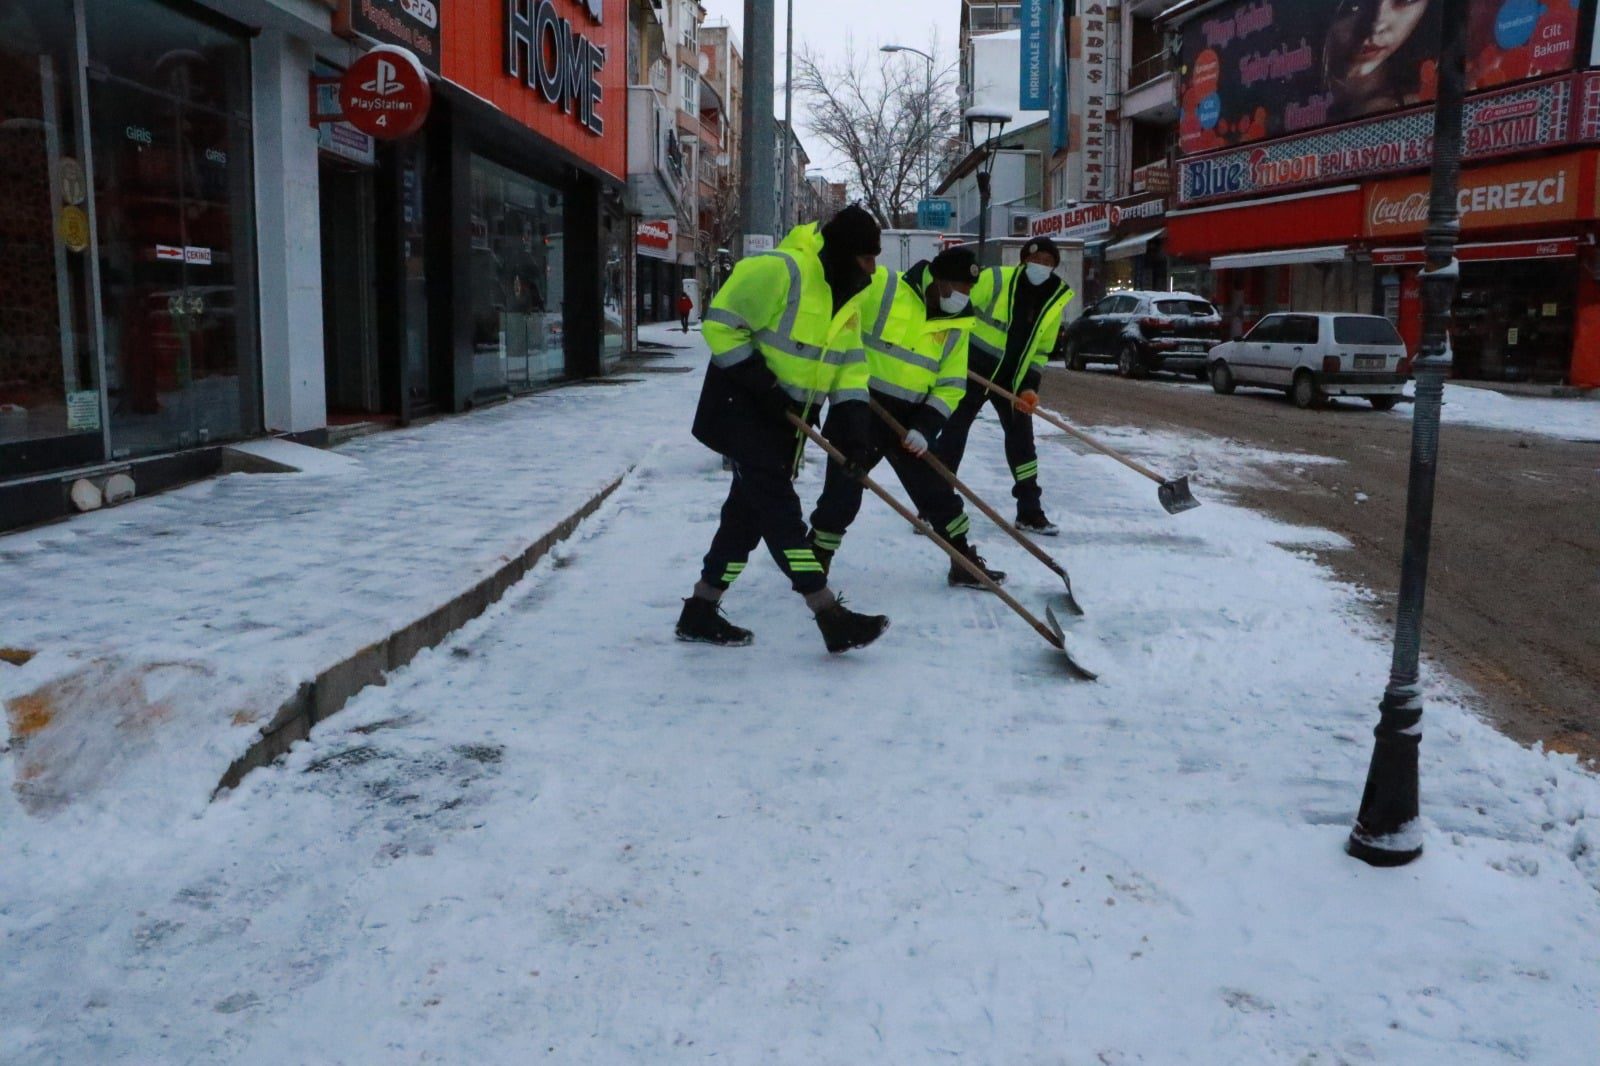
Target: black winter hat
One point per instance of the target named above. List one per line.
(1042, 244)
(955, 264)
(853, 231)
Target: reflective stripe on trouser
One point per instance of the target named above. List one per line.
(842, 494)
(762, 506)
(1020, 451)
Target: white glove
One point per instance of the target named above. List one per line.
(915, 443)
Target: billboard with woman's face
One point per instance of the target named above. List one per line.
(1265, 68)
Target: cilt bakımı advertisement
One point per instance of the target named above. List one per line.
(1258, 69)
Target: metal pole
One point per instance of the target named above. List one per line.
(983, 207)
(756, 201)
(787, 220)
(1387, 832)
(927, 144)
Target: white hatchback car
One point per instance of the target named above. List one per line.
(1312, 356)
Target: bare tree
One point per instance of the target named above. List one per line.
(884, 120)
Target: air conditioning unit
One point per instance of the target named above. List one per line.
(1019, 225)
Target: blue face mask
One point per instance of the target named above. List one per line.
(1038, 273)
(955, 303)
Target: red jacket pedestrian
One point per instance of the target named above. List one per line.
(685, 309)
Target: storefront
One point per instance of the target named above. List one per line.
(660, 278)
(128, 323)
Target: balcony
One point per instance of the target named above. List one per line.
(656, 162)
(1152, 95)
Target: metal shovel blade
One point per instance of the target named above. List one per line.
(1175, 495)
(1070, 601)
(1073, 666)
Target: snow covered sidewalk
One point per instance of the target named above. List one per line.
(171, 630)
(565, 836)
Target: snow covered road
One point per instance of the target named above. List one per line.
(566, 837)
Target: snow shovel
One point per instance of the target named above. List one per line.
(1051, 632)
(989, 512)
(1173, 493)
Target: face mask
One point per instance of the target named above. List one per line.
(1038, 273)
(954, 304)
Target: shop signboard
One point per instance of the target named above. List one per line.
(385, 94)
(1090, 85)
(1532, 116)
(1035, 20)
(934, 213)
(1256, 69)
(657, 239)
(1089, 221)
(557, 67)
(1556, 248)
(1510, 194)
(411, 24)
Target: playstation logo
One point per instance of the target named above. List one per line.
(384, 84)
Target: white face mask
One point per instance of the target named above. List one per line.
(955, 303)
(1038, 273)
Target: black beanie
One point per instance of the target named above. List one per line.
(1042, 244)
(955, 264)
(853, 231)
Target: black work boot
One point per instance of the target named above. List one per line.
(843, 629)
(961, 579)
(702, 622)
(1036, 523)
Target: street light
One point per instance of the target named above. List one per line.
(927, 105)
(994, 123)
(1387, 832)
(692, 140)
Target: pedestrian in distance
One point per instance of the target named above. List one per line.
(685, 309)
(916, 328)
(1018, 311)
(785, 338)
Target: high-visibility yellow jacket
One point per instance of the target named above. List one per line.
(778, 307)
(994, 300)
(911, 356)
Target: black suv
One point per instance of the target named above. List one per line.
(1145, 331)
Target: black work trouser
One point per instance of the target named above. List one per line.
(763, 506)
(933, 497)
(1021, 454)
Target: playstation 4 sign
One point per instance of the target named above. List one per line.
(547, 53)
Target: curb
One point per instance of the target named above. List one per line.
(317, 700)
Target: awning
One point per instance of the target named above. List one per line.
(1332, 253)
(1129, 247)
(1554, 248)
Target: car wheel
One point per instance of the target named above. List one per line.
(1383, 403)
(1222, 378)
(1304, 391)
(1129, 365)
(1074, 360)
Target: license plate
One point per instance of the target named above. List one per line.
(1192, 348)
(1370, 362)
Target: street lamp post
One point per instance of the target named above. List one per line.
(994, 123)
(1387, 832)
(927, 109)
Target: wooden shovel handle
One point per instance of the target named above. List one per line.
(1078, 433)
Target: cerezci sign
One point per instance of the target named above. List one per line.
(546, 52)
(385, 94)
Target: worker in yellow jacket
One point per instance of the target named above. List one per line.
(1018, 311)
(916, 328)
(785, 338)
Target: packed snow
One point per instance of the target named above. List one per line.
(566, 836)
(1567, 419)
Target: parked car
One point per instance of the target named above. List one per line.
(1314, 356)
(1143, 332)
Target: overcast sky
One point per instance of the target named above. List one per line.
(824, 25)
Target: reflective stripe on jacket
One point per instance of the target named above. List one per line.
(778, 306)
(913, 357)
(993, 298)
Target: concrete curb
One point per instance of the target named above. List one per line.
(336, 686)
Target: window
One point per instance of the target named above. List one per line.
(1299, 329)
(689, 86)
(1353, 329)
(1267, 331)
(517, 287)
(1105, 307)
(1126, 305)
(1185, 308)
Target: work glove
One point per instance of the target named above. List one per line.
(1027, 402)
(848, 431)
(915, 443)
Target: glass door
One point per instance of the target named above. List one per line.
(169, 105)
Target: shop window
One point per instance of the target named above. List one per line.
(49, 374)
(517, 283)
(613, 282)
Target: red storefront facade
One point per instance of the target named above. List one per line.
(1330, 216)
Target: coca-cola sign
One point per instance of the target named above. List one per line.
(1510, 194)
